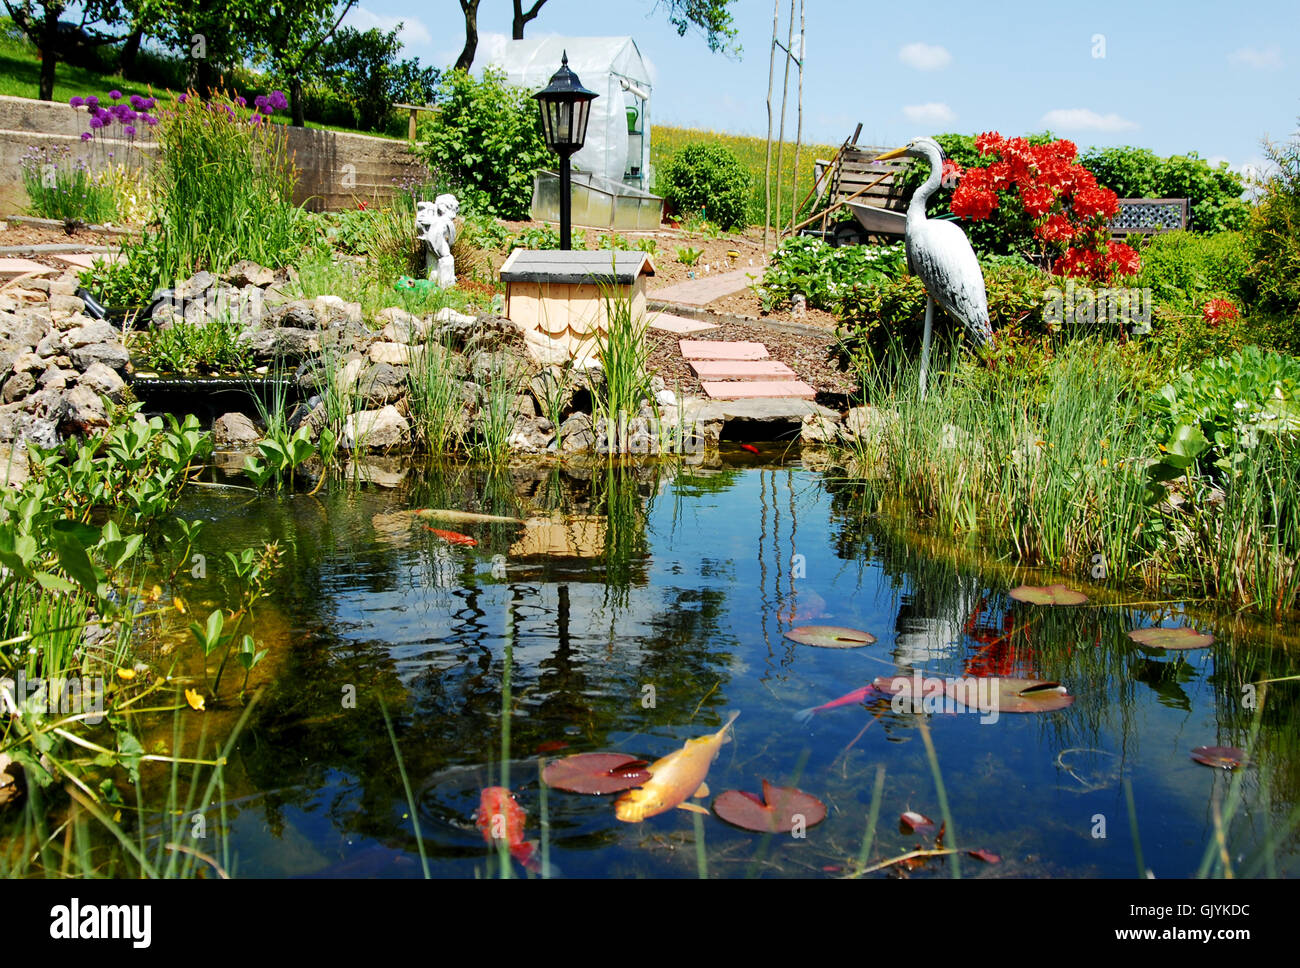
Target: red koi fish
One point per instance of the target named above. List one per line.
(452, 537)
(856, 696)
(749, 447)
(501, 818)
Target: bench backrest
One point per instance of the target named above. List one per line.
(1149, 216)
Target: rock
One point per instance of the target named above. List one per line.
(382, 383)
(333, 312)
(18, 386)
(577, 433)
(195, 285)
(27, 363)
(463, 332)
(13, 465)
(19, 427)
(551, 391)
(288, 343)
(26, 329)
(380, 471)
(496, 364)
(57, 378)
(531, 435)
(49, 345)
(102, 380)
(375, 430)
(248, 273)
(544, 350)
(524, 406)
(234, 431)
(86, 412)
(399, 326)
(666, 398)
(818, 429)
(398, 354)
(870, 423)
(112, 355)
(298, 314)
(65, 304)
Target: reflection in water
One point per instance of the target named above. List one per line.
(640, 605)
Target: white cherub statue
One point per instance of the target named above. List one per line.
(435, 225)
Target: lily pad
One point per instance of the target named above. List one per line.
(1047, 595)
(1222, 757)
(773, 813)
(595, 773)
(911, 822)
(1174, 639)
(830, 637)
(1008, 695)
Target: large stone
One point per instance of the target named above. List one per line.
(382, 383)
(195, 285)
(234, 431)
(870, 423)
(18, 386)
(102, 379)
(18, 427)
(298, 314)
(86, 412)
(112, 355)
(288, 343)
(577, 433)
(398, 354)
(333, 312)
(94, 332)
(531, 435)
(375, 430)
(27, 363)
(399, 326)
(25, 329)
(65, 304)
(819, 429)
(57, 378)
(248, 273)
(13, 465)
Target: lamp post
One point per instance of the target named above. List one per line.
(566, 107)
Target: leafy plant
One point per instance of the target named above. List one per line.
(59, 187)
(187, 348)
(1274, 241)
(1214, 191)
(827, 275)
(485, 142)
(689, 255)
(709, 179)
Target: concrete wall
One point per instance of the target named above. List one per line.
(334, 169)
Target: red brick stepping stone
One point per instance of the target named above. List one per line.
(749, 389)
(679, 324)
(742, 370)
(702, 291)
(714, 349)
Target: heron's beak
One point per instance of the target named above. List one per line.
(896, 153)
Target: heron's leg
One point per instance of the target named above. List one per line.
(925, 342)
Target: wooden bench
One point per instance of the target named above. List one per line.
(414, 109)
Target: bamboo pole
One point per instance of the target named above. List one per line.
(798, 137)
(780, 141)
(767, 175)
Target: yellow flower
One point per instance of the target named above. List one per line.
(127, 674)
(1103, 462)
(195, 700)
(178, 603)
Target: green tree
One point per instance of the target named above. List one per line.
(1214, 192)
(291, 38)
(365, 65)
(211, 35)
(39, 20)
(486, 142)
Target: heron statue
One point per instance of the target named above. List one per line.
(941, 255)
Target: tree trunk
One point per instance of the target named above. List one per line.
(49, 50)
(521, 19)
(466, 58)
(296, 108)
(126, 60)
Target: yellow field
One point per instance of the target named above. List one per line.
(752, 153)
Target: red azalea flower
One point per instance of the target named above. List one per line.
(973, 203)
(1218, 311)
(1057, 228)
(1037, 200)
(361, 205)
(989, 142)
(951, 171)
(1126, 258)
(1095, 203)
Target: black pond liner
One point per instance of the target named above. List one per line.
(208, 397)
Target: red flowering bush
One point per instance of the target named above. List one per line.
(1218, 311)
(1069, 212)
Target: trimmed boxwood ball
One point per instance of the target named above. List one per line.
(709, 178)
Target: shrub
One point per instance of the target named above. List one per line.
(485, 143)
(709, 179)
(1214, 193)
(1274, 242)
(827, 275)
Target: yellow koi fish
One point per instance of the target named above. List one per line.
(444, 514)
(674, 778)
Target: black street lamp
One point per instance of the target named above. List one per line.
(566, 106)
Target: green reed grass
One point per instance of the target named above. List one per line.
(497, 414)
(436, 396)
(624, 356)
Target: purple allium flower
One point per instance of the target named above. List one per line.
(183, 98)
(241, 102)
(130, 130)
(86, 136)
(150, 120)
(149, 102)
(115, 95)
(92, 101)
(278, 101)
(77, 101)
(96, 122)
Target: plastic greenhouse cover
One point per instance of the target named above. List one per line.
(600, 63)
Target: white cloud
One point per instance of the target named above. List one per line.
(1260, 58)
(934, 112)
(414, 33)
(1082, 119)
(491, 49)
(924, 57)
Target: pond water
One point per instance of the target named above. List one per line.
(635, 609)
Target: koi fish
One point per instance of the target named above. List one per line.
(464, 517)
(452, 537)
(501, 818)
(749, 447)
(856, 696)
(674, 778)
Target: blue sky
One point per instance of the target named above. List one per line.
(1171, 76)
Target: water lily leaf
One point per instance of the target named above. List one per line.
(986, 694)
(595, 773)
(911, 822)
(1222, 757)
(1175, 638)
(985, 855)
(830, 637)
(775, 812)
(1047, 595)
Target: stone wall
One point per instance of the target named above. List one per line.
(334, 169)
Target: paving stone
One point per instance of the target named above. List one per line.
(669, 323)
(86, 260)
(13, 268)
(751, 389)
(715, 349)
(741, 370)
(701, 292)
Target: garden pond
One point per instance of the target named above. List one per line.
(637, 607)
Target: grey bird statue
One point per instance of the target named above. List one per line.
(941, 255)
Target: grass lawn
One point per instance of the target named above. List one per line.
(666, 140)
